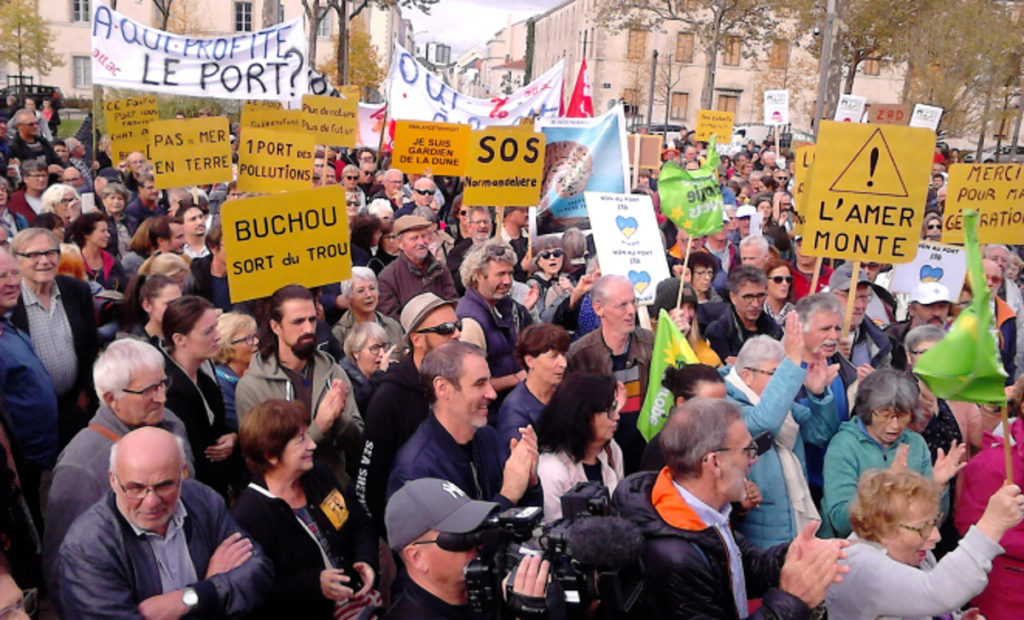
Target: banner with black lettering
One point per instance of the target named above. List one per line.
(268, 64)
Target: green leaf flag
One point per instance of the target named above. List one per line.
(670, 349)
(692, 199)
(965, 365)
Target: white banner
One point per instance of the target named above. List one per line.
(776, 107)
(269, 64)
(926, 116)
(850, 109)
(416, 94)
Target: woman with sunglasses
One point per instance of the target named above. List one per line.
(931, 228)
(368, 354)
(547, 277)
(779, 301)
(237, 345)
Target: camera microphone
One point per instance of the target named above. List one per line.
(605, 543)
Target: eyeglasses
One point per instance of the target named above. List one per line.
(67, 201)
(150, 390)
(781, 279)
(703, 273)
(900, 416)
(925, 528)
(29, 600)
(163, 490)
(464, 213)
(34, 256)
(749, 297)
(442, 329)
(32, 124)
(38, 175)
(546, 254)
(933, 227)
(919, 351)
(392, 236)
(750, 449)
(374, 349)
(250, 340)
(353, 203)
(349, 177)
(424, 192)
(769, 373)
(480, 222)
(13, 274)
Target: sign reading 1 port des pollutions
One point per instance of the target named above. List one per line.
(194, 151)
(297, 237)
(275, 161)
(505, 167)
(439, 148)
(867, 193)
(996, 192)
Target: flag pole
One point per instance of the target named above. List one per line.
(1007, 455)
(817, 273)
(850, 296)
(682, 274)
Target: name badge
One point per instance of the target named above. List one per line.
(335, 509)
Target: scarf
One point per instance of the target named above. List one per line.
(799, 494)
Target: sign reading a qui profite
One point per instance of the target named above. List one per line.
(996, 192)
(331, 120)
(867, 193)
(275, 161)
(293, 238)
(190, 152)
(505, 167)
(128, 124)
(714, 122)
(438, 147)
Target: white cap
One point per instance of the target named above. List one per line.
(746, 211)
(927, 293)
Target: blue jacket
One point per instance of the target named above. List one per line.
(30, 395)
(773, 523)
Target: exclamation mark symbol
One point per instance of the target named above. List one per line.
(874, 164)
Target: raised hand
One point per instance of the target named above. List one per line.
(948, 465)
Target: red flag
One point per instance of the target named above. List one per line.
(582, 104)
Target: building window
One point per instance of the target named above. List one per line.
(637, 44)
(780, 54)
(871, 67)
(82, 66)
(678, 105)
(80, 11)
(731, 54)
(243, 17)
(323, 27)
(684, 47)
(728, 103)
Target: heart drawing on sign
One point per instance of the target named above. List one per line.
(640, 279)
(930, 273)
(627, 225)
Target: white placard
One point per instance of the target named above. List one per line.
(850, 109)
(935, 262)
(776, 107)
(628, 240)
(927, 116)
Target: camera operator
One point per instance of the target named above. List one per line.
(418, 517)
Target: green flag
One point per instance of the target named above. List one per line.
(692, 199)
(965, 365)
(670, 349)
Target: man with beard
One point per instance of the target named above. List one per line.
(415, 270)
(195, 233)
(929, 305)
(479, 224)
(289, 367)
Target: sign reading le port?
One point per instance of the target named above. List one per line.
(292, 238)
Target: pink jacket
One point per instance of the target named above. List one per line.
(983, 476)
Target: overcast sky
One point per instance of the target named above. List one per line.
(465, 23)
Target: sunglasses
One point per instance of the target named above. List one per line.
(349, 177)
(546, 254)
(781, 279)
(934, 227)
(442, 329)
(424, 192)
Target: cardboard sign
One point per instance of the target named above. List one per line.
(935, 262)
(889, 114)
(438, 147)
(628, 240)
(927, 116)
(195, 151)
(128, 124)
(650, 151)
(801, 182)
(331, 120)
(714, 122)
(263, 116)
(996, 192)
(776, 107)
(505, 167)
(293, 238)
(275, 161)
(867, 192)
(850, 109)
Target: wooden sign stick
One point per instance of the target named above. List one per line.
(682, 274)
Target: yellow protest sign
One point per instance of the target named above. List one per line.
(867, 193)
(275, 161)
(195, 151)
(714, 122)
(331, 120)
(505, 167)
(292, 238)
(801, 181)
(270, 115)
(127, 123)
(438, 147)
(996, 192)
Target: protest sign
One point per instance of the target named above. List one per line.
(776, 108)
(889, 114)
(438, 147)
(271, 117)
(505, 167)
(850, 109)
(714, 122)
(650, 151)
(268, 64)
(927, 116)
(194, 151)
(996, 192)
(297, 237)
(801, 182)
(128, 124)
(414, 93)
(867, 193)
(275, 161)
(935, 262)
(628, 240)
(331, 120)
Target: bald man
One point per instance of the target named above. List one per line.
(158, 544)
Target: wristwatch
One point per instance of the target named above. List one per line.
(190, 598)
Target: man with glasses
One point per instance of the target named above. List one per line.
(28, 201)
(76, 158)
(392, 190)
(132, 387)
(748, 288)
(159, 538)
(866, 346)
(478, 225)
(930, 303)
(694, 564)
(368, 180)
(28, 145)
(415, 270)
(422, 196)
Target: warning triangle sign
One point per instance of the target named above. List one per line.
(872, 171)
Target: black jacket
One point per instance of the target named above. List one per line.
(725, 335)
(297, 559)
(415, 603)
(686, 571)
